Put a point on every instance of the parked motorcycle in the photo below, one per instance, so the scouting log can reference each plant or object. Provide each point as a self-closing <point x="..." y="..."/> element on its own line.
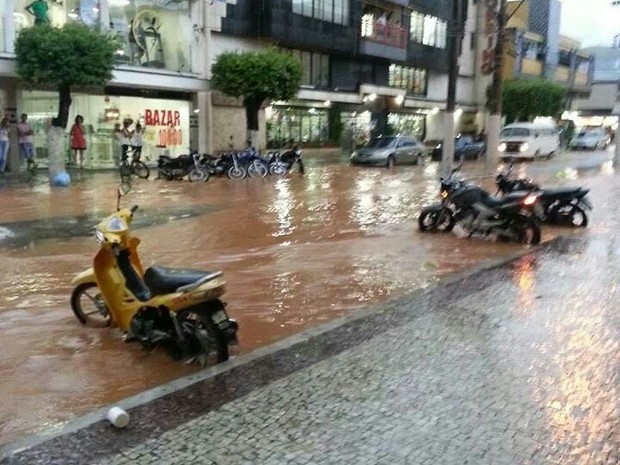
<point x="563" y="206"/>
<point x="510" y="217"/>
<point x="179" y="309"/>
<point x="439" y="216"/>
<point x="184" y="165"/>
<point x="282" y="163"/>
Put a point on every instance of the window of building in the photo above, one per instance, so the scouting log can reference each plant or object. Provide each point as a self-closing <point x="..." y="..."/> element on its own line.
<point x="411" y="79"/>
<point x="336" y="11"/>
<point x="428" y="30"/>
<point x="315" y="68"/>
<point x="152" y="35"/>
<point x="58" y="13"/>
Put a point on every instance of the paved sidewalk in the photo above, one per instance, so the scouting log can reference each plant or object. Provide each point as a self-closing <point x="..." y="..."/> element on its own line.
<point x="522" y="371"/>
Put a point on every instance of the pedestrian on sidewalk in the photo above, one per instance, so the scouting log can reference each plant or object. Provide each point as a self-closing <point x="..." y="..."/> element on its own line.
<point x="4" y="144"/>
<point x="26" y="141"/>
<point x="78" y="141"/>
<point x="136" y="141"/>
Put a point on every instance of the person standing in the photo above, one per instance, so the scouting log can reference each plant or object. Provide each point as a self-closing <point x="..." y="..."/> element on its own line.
<point x="26" y="141"/>
<point x="136" y="141"/>
<point x="39" y="9"/>
<point x="125" y="137"/>
<point x="4" y="144"/>
<point x="78" y="141"/>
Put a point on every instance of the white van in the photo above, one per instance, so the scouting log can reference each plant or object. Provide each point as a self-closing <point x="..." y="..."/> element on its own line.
<point x="528" y="140"/>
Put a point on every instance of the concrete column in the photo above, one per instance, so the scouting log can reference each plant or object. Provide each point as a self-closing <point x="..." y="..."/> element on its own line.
<point x="9" y="25"/>
<point x="104" y="14"/>
<point x="12" y="91"/>
<point x="205" y="122"/>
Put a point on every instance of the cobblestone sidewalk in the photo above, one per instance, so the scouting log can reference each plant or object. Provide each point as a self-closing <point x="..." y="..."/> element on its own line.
<point x="523" y="371"/>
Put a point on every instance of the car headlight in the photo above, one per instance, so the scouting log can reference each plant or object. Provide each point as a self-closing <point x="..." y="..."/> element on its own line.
<point x="502" y="147"/>
<point x="524" y="147"/>
<point x="99" y="237"/>
<point x="354" y="154"/>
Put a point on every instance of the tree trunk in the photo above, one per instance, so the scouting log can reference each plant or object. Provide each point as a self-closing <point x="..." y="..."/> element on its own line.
<point x="55" y="138"/>
<point x="251" y="116"/>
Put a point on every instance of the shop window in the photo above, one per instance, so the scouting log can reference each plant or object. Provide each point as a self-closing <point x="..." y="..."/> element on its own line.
<point x="336" y="11"/>
<point x="152" y="34"/>
<point x="288" y="126"/>
<point x="58" y="12"/>
<point x="411" y="79"/>
<point x="428" y="30"/>
<point x="315" y="68"/>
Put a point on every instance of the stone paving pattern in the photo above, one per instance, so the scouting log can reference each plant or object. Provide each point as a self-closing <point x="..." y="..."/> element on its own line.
<point x="523" y="371"/>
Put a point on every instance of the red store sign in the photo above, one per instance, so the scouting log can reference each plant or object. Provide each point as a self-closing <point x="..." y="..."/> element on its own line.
<point x="171" y="133"/>
<point x="490" y="31"/>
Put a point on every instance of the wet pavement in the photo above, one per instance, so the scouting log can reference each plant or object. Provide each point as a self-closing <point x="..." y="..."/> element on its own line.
<point x="295" y="251"/>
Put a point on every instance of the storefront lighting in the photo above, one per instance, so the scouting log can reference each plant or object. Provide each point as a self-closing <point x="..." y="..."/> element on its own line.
<point x="73" y="15"/>
<point x="312" y="110"/>
<point x="372" y="97"/>
<point x="120" y="51"/>
<point x="458" y="112"/>
<point x="327" y="103"/>
<point x="399" y="99"/>
<point x="435" y="111"/>
<point x="197" y="110"/>
<point x="119" y="2"/>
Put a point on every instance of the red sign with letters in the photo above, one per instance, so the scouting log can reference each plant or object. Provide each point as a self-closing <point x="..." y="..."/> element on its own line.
<point x="171" y="133"/>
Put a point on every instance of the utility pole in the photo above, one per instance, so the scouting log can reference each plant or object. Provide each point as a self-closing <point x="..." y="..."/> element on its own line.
<point x="455" y="32"/>
<point x="497" y="88"/>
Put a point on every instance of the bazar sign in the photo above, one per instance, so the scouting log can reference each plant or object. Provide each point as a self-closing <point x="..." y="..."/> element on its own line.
<point x="490" y="31"/>
<point x="171" y="133"/>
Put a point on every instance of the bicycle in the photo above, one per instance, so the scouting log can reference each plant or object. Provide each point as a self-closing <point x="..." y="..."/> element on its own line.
<point x="136" y="167"/>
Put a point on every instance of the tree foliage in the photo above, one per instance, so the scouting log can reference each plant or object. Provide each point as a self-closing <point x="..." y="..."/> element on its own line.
<point x="64" y="58"/>
<point x="256" y="77"/>
<point x="523" y="100"/>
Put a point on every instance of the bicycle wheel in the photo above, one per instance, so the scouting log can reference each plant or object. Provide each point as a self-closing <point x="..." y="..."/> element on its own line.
<point x="140" y="169"/>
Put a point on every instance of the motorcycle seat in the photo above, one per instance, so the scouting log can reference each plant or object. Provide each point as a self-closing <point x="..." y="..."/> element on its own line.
<point x="493" y="201"/>
<point x="162" y="280"/>
<point x="565" y="192"/>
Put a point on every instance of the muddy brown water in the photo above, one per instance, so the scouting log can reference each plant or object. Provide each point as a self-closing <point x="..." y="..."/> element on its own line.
<point x="295" y="251"/>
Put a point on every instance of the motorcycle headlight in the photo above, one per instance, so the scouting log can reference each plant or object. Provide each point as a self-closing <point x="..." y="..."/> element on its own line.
<point x="444" y="194"/>
<point x="99" y="237"/>
<point x="502" y="147"/>
<point x="524" y="147"/>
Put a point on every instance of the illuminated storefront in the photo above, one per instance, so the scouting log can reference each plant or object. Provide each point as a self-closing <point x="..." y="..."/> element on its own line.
<point x="165" y="121"/>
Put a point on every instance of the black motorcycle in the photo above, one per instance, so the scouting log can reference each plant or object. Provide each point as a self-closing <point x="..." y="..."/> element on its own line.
<point x="282" y="163"/>
<point x="510" y="217"/>
<point x="184" y="165"/>
<point x="562" y="206"/>
<point x="439" y="216"/>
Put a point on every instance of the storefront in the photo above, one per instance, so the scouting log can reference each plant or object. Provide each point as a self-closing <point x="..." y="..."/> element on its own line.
<point x="296" y="125"/>
<point x="411" y="124"/>
<point x="166" y="124"/>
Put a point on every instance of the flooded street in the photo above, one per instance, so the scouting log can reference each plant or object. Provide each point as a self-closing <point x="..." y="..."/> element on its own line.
<point x="295" y="252"/>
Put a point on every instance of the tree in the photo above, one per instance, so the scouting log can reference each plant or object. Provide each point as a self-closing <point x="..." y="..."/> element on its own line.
<point x="256" y="77"/>
<point x="525" y="99"/>
<point x="66" y="58"/>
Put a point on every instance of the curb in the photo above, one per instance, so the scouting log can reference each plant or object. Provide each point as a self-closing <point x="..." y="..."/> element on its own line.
<point x="240" y="375"/>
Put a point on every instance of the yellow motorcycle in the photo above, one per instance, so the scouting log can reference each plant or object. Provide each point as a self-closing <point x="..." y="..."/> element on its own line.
<point x="178" y="309"/>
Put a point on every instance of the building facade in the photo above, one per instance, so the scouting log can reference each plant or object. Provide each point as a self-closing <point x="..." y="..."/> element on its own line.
<point x="368" y="67"/>
<point x="535" y="49"/>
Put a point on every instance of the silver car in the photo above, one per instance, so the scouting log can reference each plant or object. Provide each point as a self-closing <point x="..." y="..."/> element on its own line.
<point x="389" y="151"/>
<point x="595" y="139"/>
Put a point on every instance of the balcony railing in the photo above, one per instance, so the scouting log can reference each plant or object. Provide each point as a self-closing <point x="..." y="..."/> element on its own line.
<point x="386" y="34"/>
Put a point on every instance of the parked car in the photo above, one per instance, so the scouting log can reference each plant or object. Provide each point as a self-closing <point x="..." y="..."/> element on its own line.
<point x="465" y="148"/>
<point x="389" y="151"/>
<point x="528" y="141"/>
<point x="591" y="139"/>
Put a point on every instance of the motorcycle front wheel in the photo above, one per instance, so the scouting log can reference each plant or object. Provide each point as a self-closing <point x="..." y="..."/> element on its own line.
<point x="198" y="174"/>
<point x="436" y="220"/>
<point x="89" y="307"/>
<point x="236" y="173"/>
<point x="527" y="230"/>
<point x="256" y="169"/>
<point x="277" y="169"/>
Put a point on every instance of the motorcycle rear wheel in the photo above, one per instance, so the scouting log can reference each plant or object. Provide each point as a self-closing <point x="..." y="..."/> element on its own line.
<point x="208" y="342"/>
<point x="91" y="311"/>
<point x="277" y="169"/>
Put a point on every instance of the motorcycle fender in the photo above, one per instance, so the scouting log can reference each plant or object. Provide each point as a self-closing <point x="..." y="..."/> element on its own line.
<point x="435" y="207"/>
<point x="86" y="276"/>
